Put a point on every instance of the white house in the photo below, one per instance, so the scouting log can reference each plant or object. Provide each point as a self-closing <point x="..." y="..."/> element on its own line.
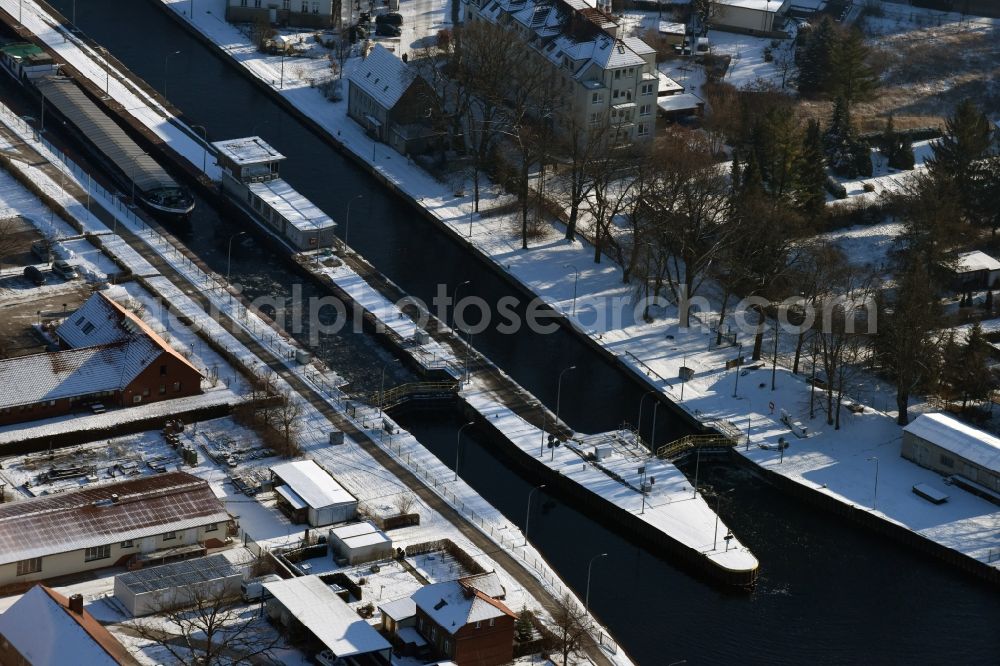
<point x="976" y="270"/>
<point x="309" y="494"/>
<point x="148" y="518"/>
<point x="360" y="542"/>
<point x="748" y="15"/>
<point x="948" y="446"/>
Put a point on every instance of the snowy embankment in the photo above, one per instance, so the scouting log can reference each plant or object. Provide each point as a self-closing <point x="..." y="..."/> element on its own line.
<point x="670" y="506"/>
<point x="655" y="351"/>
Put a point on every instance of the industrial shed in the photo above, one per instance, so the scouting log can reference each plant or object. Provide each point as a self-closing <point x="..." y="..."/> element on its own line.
<point x="360" y="542"/>
<point x="155" y="589"/>
<point x="948" y="446"/>
<point x="310" y="495"/>
<point x="751" y="16"/>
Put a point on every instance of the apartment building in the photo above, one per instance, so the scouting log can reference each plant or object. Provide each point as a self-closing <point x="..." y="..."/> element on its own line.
<point x="601" y="79"/>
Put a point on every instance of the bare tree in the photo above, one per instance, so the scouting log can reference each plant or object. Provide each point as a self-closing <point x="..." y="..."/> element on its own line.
<point x="284" y="418"/>
<point x="404" y="502"/>
<point x="690" y="205"/>
<point x="206" y="626"/>
<point x="569" y="625"/>
<point x="10" y="227"/>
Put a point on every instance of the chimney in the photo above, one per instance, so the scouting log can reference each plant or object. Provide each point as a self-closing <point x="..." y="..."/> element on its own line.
<point x="114" y="497"/>
<point x="76" y="604"/>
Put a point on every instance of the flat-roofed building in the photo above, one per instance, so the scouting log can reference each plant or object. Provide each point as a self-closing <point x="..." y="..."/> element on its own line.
<point x="310" y="495"/>
<point x="948" y="446"/>
<point x="358" y="543"/>
<point x="177" y="584"/>
<point x="146" y="519"/>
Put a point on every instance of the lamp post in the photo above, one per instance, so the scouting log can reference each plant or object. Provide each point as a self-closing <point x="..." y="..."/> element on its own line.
<point x="527" y="515"/>
<point x="204" y="152"/>
<point x="458" y="445"/>
<point x="576" y="278"/>
<point x="586" y="597"/>
<point x="638" y="427"/>
<point x="347" y="219"/>
<point x="718" y="506"/>
<point x="381" y="387"/>
<point x="559" y="390"/>
<point x="875" y="498"/>
<point x="166" y="59"/>
<point x="739" y="364"/>
<point x="652" y="433"/>
<point x="454" y="310"/>
<point x="229" y="253"/>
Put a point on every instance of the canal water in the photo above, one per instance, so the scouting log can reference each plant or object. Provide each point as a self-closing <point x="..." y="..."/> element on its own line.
<point x="829" y="592"/>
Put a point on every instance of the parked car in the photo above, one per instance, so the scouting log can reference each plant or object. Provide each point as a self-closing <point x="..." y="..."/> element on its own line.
<point x="65" y="270"/>
<point x="392" y="18"/>
<point x="387" y="30"/>
<point x="253" y="589"/>
<point x="42" y="250"/>
<point x="34" y="275"/>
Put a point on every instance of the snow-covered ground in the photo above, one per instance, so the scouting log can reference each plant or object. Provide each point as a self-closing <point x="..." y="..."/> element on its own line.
<point x="655" y="351"/>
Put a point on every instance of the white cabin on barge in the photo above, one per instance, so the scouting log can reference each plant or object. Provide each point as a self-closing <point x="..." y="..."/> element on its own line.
<point x="250" y="179"/>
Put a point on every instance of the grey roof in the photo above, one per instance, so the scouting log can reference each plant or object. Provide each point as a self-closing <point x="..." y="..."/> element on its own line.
<point x="102" y="131"/>
<point x="399" y="609"/>
<point x="178" y="574"/>
<point x="383" y="76"/>
<point x="94" y="516"/>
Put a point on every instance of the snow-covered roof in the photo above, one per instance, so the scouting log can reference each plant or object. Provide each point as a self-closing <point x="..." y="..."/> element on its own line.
<point x="312" y="483"/>
<point x="681" y="102"/>
<point x="668" y="85"/>
<point x="248" y="150"/>
<point x="756" y="5"/>
<point x="45" y="632"/>
<point x="114" y="347"/>
<point x="106" y="514"/>
<point x="969" y="262"/>
<point x="326" y="615"/>
<point x="301" y="213"/>
<point x="488" y="583"/>
<point x="670" y="28"/>
<point x="399" y="609"/>
<point x="383" y="76"/>
<point x="453" y="605"/>
<point x="963" y="440"/>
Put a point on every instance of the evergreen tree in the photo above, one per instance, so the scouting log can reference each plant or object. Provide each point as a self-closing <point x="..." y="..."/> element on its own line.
<point x="896" y="147"/>
<point x="966" y="139"/>
<point x="848" y="156"/>
<point x="850" y="76"/>
<point x="814" y="58"/>
<point x="977" y="380"/>
<point x="523" y="629"/>
<point x="810" y="188"/>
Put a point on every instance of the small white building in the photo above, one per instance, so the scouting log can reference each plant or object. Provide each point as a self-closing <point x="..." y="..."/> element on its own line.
<point x="310" y="604"/>
<point x="358" y="543"/>
<point x="948" y="446"/>
<point x="168" y="586"/>
<point x="752" y="16"/>
<point x="976" y="270"/>
<point x="310" y="495"/>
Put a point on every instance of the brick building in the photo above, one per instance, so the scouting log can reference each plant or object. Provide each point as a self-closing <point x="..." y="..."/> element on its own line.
<point x="108" y="356"/>
<point x="466" y="621"/>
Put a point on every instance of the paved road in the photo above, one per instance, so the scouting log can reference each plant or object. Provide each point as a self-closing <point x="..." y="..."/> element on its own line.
<point x="506" y="561"/>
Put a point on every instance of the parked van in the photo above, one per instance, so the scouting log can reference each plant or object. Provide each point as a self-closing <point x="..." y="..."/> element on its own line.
<point x="65" y="270"/>
<point x="34" y="275"/>
<point x="253" y="589"/>
<point x="43" y="250"/>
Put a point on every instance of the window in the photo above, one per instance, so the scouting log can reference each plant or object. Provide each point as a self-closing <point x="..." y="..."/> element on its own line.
<point x="631" y="71"/>
<point x="87" y="328"/>
<point x="163" y="370"/>
<point x="145" y="391"/>
<point x="616" y="94"/>
<point x="315" y="8"/>
<point x="256" y="3"/>
<point x="478" y="624"/>
<point x="25" y="567"/>
<point x="212" y="527"/>
<point x="643" y="129"/>
<point x="128" y="544"/>
<point x="493" y="621"/>
<point x="644" y="110"/>
<point x="243" y="3"/>
<point x="177" y="387"/>
<point x="163" y="389"/>
<point x="305" y="6"/>
<point x="595" y="119"/>
<point x="647" y="88"/>
<point x="618" y="73"/>
<point x="286" y="4"/>
<point x="596" y="98"/>
<point x="97" y="553"/>
<point x="169" y="536"/>
<point x="446" y="646"/>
